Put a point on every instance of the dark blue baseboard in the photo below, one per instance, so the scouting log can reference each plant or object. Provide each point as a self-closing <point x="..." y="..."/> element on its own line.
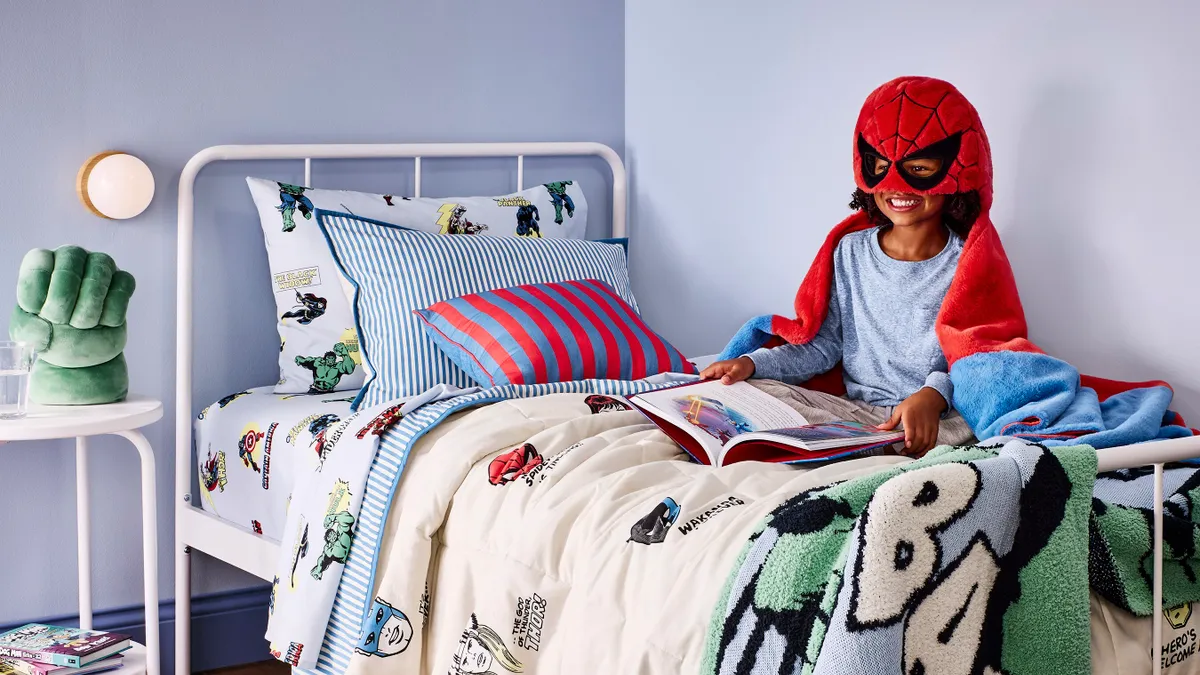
<point x="227" y="627"/>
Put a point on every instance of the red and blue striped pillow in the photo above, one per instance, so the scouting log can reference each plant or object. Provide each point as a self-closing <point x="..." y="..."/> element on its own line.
<point x="556" y="332"/>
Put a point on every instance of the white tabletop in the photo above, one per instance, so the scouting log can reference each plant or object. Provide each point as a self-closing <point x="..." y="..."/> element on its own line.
<point x="134" y="661"/>
<point x="68" y="421"/>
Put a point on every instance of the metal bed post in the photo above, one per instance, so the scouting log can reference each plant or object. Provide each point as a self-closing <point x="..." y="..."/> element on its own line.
<point x="183" y="412"/>
<point x="1156" y="616"/>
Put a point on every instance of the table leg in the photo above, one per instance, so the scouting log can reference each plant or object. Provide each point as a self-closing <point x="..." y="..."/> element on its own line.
<point x="149" y="546"/>
<point x="84" y="534"/>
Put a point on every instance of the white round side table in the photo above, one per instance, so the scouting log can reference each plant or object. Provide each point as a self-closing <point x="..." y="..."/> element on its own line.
<point x="122" y="419"/>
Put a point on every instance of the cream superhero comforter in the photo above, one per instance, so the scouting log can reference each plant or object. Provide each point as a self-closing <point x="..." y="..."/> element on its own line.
<point x="536" y="536"/>
<point x="564" y="534"/>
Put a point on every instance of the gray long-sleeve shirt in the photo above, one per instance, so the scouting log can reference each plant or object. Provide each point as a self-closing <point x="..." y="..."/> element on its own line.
<point x="880" y="325"/>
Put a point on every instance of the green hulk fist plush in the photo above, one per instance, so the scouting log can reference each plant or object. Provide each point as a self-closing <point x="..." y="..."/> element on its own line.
<point x="71" y="307"/>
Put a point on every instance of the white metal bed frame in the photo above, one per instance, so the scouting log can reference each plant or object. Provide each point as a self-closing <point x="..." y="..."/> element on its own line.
<point x="198" y="529"/>
<point x="238" y="546"/>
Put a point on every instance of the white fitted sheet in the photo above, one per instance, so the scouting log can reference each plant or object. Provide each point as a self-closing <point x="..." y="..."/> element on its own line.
<point x="249" y="447"/>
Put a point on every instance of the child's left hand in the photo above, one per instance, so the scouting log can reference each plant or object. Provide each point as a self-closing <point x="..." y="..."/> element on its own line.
<point x="920" y="415"/>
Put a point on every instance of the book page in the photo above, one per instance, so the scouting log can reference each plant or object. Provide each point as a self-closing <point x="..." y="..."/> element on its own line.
<point x="722" y="411"/>
<point x="839" y="433"/>
<point x="668" y="410"/>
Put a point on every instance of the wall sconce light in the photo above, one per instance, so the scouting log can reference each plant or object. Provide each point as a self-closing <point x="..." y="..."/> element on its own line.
<point x="115" y="185"/>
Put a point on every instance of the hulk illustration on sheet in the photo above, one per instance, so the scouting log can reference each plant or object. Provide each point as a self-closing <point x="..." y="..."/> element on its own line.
<point x="558" y="194"/>
<point x="291" y="199"/>
<point x="339" y="530"/>
<point x="327" y="370"/>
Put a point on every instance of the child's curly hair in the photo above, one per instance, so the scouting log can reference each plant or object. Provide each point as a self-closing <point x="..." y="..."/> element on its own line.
<point x="959" y="214"/>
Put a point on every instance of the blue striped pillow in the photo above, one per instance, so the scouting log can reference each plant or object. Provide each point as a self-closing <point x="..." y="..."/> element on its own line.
<point x="395" y="271"/>
<point x="540" y="333"/>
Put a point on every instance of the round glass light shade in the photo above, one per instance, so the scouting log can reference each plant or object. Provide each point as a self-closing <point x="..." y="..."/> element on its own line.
<point x="115" y="185"/>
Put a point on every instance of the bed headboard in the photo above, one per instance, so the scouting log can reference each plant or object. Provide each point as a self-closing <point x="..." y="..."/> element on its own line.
<point x="309" y="152"/>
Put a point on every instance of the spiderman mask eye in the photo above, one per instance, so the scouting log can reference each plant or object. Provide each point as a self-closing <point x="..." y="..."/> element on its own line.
<point x="921" y="168"/>
<point x="879" y="165"/>
<point x="874" y="165"/>
<point x="925" y="168"/>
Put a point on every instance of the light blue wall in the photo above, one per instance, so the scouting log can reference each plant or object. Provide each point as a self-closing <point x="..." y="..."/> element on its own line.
<point x="163" y="80"/>
<point x="738" y="127"/>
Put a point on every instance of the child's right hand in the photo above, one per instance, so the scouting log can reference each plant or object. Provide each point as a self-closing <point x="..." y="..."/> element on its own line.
<point x="730" y="371"/>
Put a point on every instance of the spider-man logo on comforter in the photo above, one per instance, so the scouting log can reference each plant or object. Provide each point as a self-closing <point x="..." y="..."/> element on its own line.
<point x="1003" y="383"/>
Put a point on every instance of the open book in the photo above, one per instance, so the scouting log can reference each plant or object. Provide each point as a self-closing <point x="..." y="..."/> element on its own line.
<point x="720" y="424"/>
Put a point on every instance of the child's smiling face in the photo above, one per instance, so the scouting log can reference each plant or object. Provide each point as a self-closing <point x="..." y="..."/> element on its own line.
<point x="908" y="208"/>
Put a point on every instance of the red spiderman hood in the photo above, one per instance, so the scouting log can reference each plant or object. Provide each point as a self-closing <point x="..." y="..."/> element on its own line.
<point x="902" y="119"/>
<point x="913" y="117"/>
<point x="1003" y="384"/>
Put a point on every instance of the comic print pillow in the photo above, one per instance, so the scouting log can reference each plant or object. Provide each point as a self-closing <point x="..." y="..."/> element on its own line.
<point x="538" y="333"/>
<point x="319" y="349"/>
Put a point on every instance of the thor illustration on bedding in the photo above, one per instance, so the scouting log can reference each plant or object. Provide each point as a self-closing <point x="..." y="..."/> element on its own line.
<point x="1003" y="384"/>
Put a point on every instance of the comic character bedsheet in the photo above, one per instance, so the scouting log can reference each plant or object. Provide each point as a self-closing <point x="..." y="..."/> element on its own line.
<point x="249" y="446"/>
<point x="563" y="533"/>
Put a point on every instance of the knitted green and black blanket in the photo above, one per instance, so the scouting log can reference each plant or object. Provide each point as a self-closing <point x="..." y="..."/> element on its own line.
<point x="1122" y="562"/>
<point x="971" y="560"/>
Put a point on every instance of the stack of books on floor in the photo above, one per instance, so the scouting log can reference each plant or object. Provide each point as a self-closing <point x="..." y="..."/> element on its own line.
<point x="38" y="649"/>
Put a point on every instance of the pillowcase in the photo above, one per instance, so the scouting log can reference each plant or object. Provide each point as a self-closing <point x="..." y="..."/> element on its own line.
<point x="319" y="350"/>
<point x="395" y="271"/>
<point x="540" y="333"/>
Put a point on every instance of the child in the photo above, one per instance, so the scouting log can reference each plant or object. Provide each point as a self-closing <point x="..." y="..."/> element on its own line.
<point x="888" y="285"/>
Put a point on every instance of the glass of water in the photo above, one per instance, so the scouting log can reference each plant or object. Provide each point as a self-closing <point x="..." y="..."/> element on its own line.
<point x="16" y="360"/>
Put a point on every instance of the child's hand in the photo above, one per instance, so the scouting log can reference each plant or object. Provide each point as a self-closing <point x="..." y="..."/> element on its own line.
<point x="733" y="370"/>
<point x="920" y="415"/>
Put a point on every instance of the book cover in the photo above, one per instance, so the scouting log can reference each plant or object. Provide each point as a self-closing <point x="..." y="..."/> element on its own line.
<point x="60" y="646"/>
<point x="10" y="666"/>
